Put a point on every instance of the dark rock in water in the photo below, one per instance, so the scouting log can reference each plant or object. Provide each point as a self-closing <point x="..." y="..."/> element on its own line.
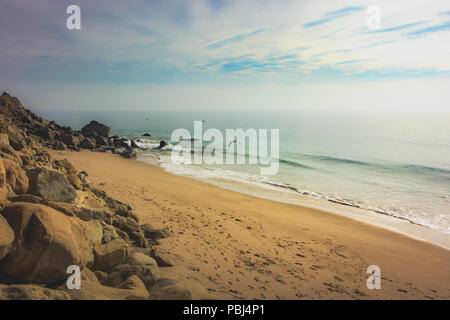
<point x="50" y="185"/>
<point x="129" y="154"/>
<point x="146" y="135"/>
<point x="95" y="128"/>
<point x="120" y="143"/>
<point x="134" y="145"/>
<point x="162" y="144"/>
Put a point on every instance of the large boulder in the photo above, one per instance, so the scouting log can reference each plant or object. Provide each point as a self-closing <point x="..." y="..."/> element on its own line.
<point x="6" y="237"/>
<point x="111" y="254"/>
<point x="50" y="185"/>
<point x="46" y="243"/>
<point x="16" y="177"/>
<point x="95" y="128"/>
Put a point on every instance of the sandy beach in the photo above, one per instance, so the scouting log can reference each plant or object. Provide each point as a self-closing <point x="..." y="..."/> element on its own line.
<point x="243" y="247"/>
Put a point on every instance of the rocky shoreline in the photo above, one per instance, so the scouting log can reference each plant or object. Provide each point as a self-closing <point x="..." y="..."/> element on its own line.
<point x="51" y="217"/>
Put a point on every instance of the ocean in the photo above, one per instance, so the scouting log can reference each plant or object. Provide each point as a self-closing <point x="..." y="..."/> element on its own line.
<point x="390" y="163"/>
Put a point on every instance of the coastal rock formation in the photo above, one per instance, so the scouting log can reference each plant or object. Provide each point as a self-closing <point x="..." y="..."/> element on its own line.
<point x="51" y="217"/>
<point x="94" y="129"/>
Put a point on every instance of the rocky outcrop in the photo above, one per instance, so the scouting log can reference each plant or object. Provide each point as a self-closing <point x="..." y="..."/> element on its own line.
<point x="46" y="243"/>
<point x="51" y="217"/>
<point x="95" y="128"/>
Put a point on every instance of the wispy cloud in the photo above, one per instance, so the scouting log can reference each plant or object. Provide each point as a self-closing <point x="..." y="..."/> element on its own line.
<point x="400" y="27"/>
<point x="438" y="28"/>
<point x="333" y="15"/>
<point x="238" y="38"/>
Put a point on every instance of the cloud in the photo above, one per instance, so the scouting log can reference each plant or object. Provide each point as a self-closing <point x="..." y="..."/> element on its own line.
<point x="238" y="38"/>
<point x="401" y="27"/>
<point x="437" y="28"/>
<point x="332" y="15"/>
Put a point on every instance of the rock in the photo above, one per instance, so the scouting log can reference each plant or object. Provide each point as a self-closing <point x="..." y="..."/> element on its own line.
<point x="137" y="264"/>
<point x="111" y="254"/>
<point x="135" y="283"/>
<point x="161" y="258"/>
<point x="75" y="181"/>
<point x="128" y="225"/>
<point x="70" y="140"/>
<point x="2" y="174"/>
<point x="46" y="132"/>
<point x="162" y="144"/>
<point x="129" y="154"/>
<point x="46" y="243"/>
<point x="6" y="237"/>
<point x="146" y="135"/>
<point x="92" y="289"/>
<point x="50" y="185"/>
<point x="101" y="141"/>
<point x="154" y="234"/>
<point x="4" y="139"/>
<point x="16" y="177"/>
<point x="96" y="229"/>
<point x="30" y="292"/>
<point x="95" y="128"/>
<point x="65" y="166"/>
<point x="134" y="145"/>
<point x="15" y="142"/>
<point x="88" y="143"/>
<point x="109" y="233"/>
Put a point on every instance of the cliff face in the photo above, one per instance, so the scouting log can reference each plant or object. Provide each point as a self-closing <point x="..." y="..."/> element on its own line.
<point x="52" y="218"/>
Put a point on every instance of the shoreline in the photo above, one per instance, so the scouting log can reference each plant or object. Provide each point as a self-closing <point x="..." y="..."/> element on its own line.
<point x="382" y="220"/>
<point x="240" y="246"/>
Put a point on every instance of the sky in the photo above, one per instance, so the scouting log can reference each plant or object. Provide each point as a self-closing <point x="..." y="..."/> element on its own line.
<point x="239" y="54"/>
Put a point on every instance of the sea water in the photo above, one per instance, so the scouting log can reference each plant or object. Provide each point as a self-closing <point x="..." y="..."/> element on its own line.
<point x="391" y="163"/>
